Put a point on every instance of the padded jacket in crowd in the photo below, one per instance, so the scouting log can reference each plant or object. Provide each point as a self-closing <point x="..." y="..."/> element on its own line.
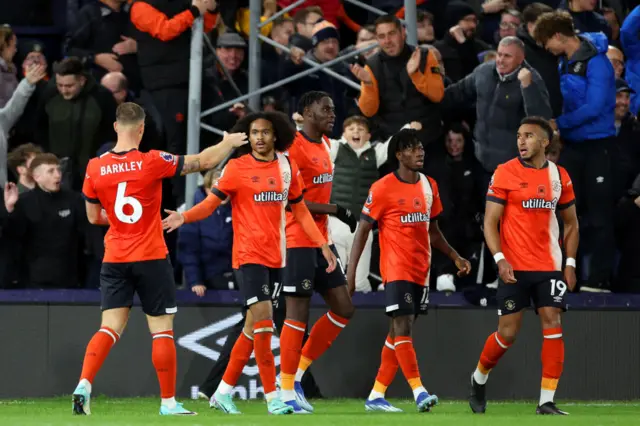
<point x="587" y="22"/>
<point x="204" y="248"/>
<point x="8" y="81"/>
<point x="501" y="103"/>
<point x="630" y="38"/>
<point x="588" y="85"/>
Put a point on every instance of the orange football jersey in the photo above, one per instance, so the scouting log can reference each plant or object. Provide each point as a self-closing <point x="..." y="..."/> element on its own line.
<point x="403" y="211"/>
<point x="313" y="159"/>
<point x="259" y="192"/>
<point x="529" y="230"/>
<point x="128" y="185"/>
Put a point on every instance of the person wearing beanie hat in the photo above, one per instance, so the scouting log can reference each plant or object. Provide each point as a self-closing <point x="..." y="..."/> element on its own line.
<point x="325" y="41"/>
<point x="460" y="47"/>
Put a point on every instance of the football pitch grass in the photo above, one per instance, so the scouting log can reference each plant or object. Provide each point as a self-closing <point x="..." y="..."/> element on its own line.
<point x="143" y="411"/>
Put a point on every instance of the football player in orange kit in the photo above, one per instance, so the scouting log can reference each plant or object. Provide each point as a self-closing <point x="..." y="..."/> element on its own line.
<point x="406" y="205"/>
<point x="123" y="189"/>
<point x="260" y="183"/>
<point x="522" y="232"/>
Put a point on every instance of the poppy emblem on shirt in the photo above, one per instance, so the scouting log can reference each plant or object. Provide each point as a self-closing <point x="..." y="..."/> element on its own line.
<point x="541" y="191"/>
<point x="271" y="181"/>
<point x="417" y="203"/>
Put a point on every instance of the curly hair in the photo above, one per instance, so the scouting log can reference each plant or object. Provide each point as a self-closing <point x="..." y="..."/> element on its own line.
<point x="552" y="23"/>
<point x="283" y="129"/>
<point x="405" y="138"/>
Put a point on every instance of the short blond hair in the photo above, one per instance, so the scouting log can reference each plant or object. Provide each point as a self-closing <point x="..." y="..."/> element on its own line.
<point x="130" y="113"/>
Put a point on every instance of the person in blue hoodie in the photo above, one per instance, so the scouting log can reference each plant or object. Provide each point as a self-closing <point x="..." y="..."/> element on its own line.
<point x="587" y="126"/>
<point x="204" y="248"/>
<point x="630" y="39"/>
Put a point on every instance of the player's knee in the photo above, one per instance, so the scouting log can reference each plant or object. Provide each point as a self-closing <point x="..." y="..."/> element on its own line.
<point x="298" y="308"/>
<point x="160" y="323"/>
<point x="345" y="310"/>
<point x="261" y="311"/>
<point x="402" y="326"/>
<point x="115" y="319"/>
<point x="508" y="332"/>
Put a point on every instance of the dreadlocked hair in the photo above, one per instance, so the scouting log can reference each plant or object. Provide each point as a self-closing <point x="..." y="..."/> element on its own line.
<point x="405" y="138"/>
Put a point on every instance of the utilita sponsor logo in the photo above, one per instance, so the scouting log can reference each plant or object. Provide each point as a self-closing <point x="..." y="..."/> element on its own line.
<point x="270" y="196"/>
<point x="216" y="336"/>
<point x="323" y="178"/>
<point x="540" y="204"/>
<point x="414" y="218"/>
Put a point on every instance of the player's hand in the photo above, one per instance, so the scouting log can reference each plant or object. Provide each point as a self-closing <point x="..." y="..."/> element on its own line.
<point x="345" y="216"/>
<point x="329" y="257"/>
<point x="202" y="6"/>
<point x="172" y="222"/>
<point x="297" y="118"/>
<point x="414" y="61"/>
<point x="199" y="290"/>
<point x="506" y="272"/>
<point x="235" y="139"/>
<point x="463" y="265"/>
<point x="525" y="77"/>
<point x="35" y="73"/>
<point x="495" y="6"/>
<point x="10" y="196"/>
<point x="361" y="73"/>
<point x="570" y="277"/>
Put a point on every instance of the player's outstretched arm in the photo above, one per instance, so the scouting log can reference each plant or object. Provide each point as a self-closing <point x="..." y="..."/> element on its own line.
<point x="95" y="214"/>
<point x="439" y="242"/>
<point x="359" y="242"/>
<point x="492" y="214"/>
<point x="344" y="215"/>
<point x="571" y="239"/>
<point x="214" y="155"/>
<point x="196" y="213"/>
<point x="303" y="216"/>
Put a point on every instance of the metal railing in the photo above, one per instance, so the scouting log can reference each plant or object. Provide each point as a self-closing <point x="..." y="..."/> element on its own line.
<point x="255" y="61"/>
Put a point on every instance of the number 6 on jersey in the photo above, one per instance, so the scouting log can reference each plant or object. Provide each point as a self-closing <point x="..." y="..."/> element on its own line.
<point x="121" y="201"/>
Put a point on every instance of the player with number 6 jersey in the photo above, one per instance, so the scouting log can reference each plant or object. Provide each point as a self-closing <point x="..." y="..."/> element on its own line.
<point x="521" y="230"/>
<point x="406" y="205"/>
<point x="123" y="189"/>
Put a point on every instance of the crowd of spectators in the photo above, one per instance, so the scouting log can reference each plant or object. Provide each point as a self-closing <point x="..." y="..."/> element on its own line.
<point x="479" y="68"/>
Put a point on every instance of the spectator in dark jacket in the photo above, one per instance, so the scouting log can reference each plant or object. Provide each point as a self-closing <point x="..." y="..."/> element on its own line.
<point x="627" y="226"/>
<point x="625" y="157"/>
<point x="504" y="91"/>
<point x="630" y="39"/>
<point x="304" y="20"/>
<point x="585" y="19"/>
<point x="539" y="58"/>
<point x="460" y="47"/>
<point x="400" y="84"/>
<point x="587" y="127"/>
<point x="326" y="47"/>
<point x="103" y="39"/>
<point x="204" y="248"/>
<point x="74" y="118"/>
<point x="48" y="222"/>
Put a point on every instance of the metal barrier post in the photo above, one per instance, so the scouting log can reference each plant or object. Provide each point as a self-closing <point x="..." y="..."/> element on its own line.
<point x="410" y="15"/>
<point x="255" y="59"/>
<point x="193" y="119"/>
